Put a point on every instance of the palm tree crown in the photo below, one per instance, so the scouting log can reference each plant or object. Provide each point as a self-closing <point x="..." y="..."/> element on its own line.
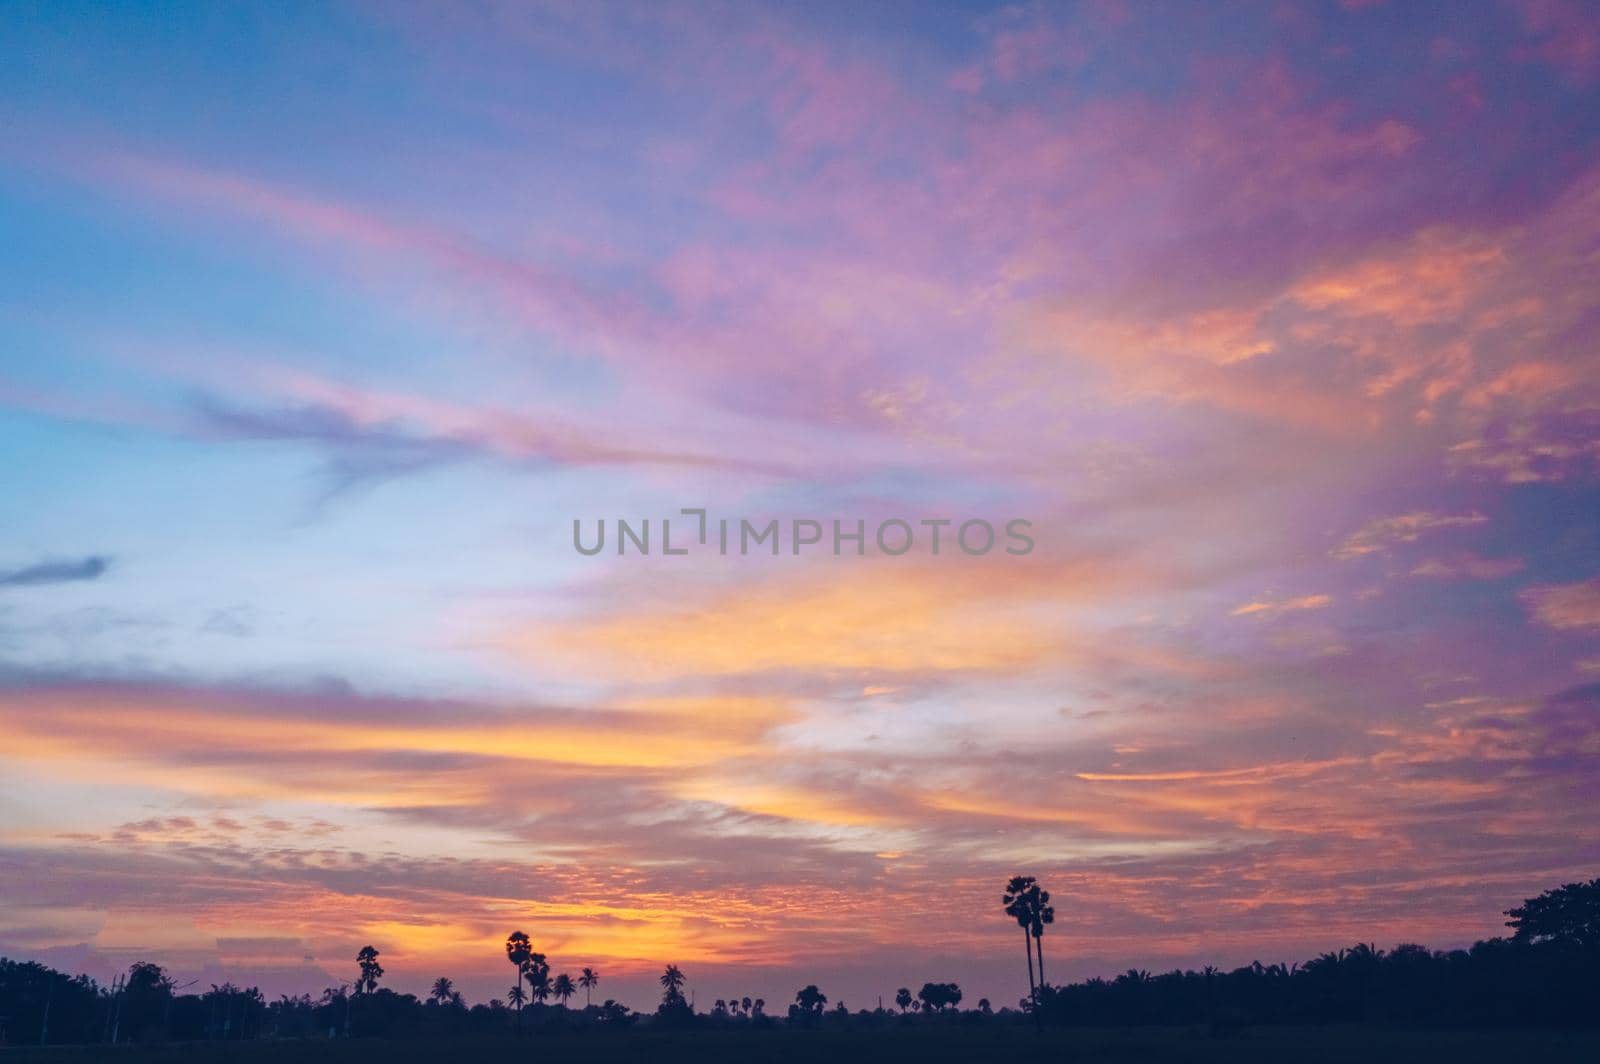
<point x="588" y="978"/>
<point x="518" y="950"/>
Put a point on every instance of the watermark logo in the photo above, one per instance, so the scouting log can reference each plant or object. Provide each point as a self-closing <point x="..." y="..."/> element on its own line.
<point x="697" y="532"/>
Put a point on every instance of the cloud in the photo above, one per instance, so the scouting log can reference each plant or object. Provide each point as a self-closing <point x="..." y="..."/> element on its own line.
<point x="1383" y="533"/>
<point x="1302" y="602"/>
<point x="1469" y="567"/>
<point x="43" y="573"/>
<point x="1565" y="606"/>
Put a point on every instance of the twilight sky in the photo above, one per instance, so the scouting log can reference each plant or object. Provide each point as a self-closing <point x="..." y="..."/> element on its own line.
<point x="319" y="327"/>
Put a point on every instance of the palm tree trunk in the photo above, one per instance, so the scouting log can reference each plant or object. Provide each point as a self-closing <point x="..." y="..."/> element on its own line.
<point x="1033" y="991"/>
<point x="1027" y="944"/>
<point x="1038" y="944"/>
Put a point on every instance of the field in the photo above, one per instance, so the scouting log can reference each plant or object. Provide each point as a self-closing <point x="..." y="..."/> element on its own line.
<point x="1009" y="1045"/>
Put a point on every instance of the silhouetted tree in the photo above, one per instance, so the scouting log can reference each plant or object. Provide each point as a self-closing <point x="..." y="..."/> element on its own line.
<point x="145" y="1000"/>
<point x="588" y="979"/>
<point x="518" y="950"/>
<point x="936" y="997"/>
<point x="613" y="1014"/>
<point x="672" y="980"/>
<point x="537" y="973"/>
<point x="902" y="997"/>
<point x="809" y="1002"/>
<point x="674" y="1010"/>
<point x="443" y="991"/>
<point x="1021" y="893"/>
<point x="563" y="988"/>
<point x="1570" y="913"/>
<point x="371" y="970"/>
<point x="1043" y="913"/>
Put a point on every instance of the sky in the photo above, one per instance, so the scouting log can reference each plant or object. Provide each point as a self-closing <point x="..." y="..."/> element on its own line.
<point x="320" y="326"/>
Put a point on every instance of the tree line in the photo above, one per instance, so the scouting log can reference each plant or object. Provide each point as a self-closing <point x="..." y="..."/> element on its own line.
<point x="1546" y="973"/>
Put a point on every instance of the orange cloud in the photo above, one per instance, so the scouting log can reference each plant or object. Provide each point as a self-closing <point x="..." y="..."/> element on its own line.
<point x="879" y="618"/>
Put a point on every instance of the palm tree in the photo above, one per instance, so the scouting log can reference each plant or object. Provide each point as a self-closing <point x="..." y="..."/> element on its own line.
<point x="672" y="981"/>
<point x="1043" y="913"/>
<point x="538" y="975"/>
<point x="1018" y="902"/>
<point x="517" y="996"/>
<point x="744" y="1003"/>
<point x="443" y="991"/>
<point x="902" y="997"/>
<point x="518" y="950"/>
<point x="563" y="988"/>
<point x="588" y="979"/>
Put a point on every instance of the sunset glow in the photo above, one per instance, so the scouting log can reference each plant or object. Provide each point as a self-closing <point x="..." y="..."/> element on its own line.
<point x="321" y="327"/>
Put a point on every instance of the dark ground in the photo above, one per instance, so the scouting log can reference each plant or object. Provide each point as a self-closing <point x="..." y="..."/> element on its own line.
<point x="1283" y="1045"/>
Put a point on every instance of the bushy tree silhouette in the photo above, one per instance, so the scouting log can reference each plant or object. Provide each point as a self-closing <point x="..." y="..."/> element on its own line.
<point x="809" y="1002"/>
<point x="1570" y="913"/>
<point x="936" y="997"/>
<point x="371" y="970"/>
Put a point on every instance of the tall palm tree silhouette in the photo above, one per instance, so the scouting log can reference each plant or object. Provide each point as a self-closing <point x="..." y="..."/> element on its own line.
<point x="1043" y="913"/>
<point x="588" y="979"/>
<point x="518" y="950"/>
<point x="672" y="981"/>
<point x="443" y="990"/>
<point x="538" y="975"/>
<point x="1018" y="901"/>
<point x="563" y="988"/>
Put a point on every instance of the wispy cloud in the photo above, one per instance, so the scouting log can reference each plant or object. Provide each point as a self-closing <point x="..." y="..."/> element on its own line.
<point x="69" y="571"/>
<point x="1384" y="533"/>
